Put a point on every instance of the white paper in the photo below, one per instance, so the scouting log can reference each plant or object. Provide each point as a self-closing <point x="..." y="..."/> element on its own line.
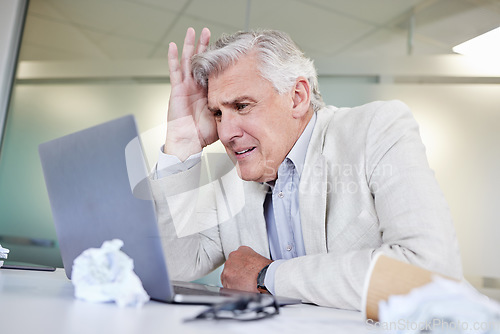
<point x="443" y="306"/>
<point x="106" y="274"/>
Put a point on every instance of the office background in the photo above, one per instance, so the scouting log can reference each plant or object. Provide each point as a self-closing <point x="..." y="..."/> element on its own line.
<point x="85" y="62"/>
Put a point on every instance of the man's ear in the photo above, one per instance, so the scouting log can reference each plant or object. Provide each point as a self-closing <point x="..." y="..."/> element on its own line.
<point x="301" y="97"/>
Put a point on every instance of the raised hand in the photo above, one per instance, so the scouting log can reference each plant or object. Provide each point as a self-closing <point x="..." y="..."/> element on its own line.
<point x="190" y="125"/>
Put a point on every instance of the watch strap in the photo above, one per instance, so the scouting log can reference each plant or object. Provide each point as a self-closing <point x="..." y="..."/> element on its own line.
<point x="261" y="277"/>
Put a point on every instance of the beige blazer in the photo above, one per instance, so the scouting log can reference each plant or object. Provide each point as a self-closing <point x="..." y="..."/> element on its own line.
<point x="366" y="188"/>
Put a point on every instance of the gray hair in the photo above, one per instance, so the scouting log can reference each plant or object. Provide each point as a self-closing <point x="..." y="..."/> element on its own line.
<point x="280" y="60"/>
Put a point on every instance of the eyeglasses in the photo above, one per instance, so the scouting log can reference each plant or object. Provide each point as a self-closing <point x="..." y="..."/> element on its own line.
<point x="247" y="308"/>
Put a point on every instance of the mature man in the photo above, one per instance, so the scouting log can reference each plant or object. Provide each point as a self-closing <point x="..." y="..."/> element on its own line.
<point x="317" y="191"/>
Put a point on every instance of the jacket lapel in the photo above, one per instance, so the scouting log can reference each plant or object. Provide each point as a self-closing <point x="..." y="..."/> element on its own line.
<point x="313" y="189"/>
<point x="312" y="202"/>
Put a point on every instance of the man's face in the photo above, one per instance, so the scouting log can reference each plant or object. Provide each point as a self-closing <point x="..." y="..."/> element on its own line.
<point x="254" y="122"/>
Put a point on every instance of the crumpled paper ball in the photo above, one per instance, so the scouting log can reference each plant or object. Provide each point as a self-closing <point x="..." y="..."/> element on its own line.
<point x="442" y="306"/>
<point x="106" y="274"/>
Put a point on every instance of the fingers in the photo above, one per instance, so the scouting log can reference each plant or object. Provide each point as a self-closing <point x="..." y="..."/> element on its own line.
<point x="182" y="70"/>
<point x="173" y="64"/>
<point x="222" y="279"/>
<point x="188" y="51"/>
<point x="203" y="41"/>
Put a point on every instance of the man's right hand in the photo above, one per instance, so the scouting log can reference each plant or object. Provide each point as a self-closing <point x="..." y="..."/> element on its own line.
<point x="190" y="125"/>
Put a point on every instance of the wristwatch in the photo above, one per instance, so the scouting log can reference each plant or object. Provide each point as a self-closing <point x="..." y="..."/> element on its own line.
<point x="261" y="286"/>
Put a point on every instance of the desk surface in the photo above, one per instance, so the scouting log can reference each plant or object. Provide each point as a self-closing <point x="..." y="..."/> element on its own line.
<point x="43" y="302"/>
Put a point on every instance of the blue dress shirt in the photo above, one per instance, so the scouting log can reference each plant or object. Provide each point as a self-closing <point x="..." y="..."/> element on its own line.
<point x="281" y="207"/>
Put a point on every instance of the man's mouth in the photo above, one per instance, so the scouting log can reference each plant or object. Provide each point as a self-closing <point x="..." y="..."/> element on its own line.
<point x="243" y="152"/>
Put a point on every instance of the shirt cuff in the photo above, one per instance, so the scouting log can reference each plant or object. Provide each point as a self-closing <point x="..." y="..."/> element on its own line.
<point x="271" y="271"/>
<point x="169" y="164"/>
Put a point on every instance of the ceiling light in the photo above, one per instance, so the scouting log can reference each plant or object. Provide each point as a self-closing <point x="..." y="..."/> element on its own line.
<point x="485" y="45"/>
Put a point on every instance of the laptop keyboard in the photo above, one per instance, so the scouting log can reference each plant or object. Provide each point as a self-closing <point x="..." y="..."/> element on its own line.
<point x="182" y="290"/>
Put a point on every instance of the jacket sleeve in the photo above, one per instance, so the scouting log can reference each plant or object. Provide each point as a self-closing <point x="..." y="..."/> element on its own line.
<point x="187" y="223"/>
<point x="414" y="222"/>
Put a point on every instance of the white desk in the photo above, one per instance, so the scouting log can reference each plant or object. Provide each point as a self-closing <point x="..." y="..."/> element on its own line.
<point x="43" y="302"/>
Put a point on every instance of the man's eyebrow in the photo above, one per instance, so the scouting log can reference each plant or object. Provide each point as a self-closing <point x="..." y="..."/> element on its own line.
<point x="234" y="101"/>
<point x="239" y="99"/>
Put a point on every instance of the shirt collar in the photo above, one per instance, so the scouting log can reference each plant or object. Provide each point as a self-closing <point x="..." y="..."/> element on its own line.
<point x="298" y="152"/>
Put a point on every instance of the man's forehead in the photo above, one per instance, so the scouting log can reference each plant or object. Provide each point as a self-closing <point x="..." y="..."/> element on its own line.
<point x="235" y="83"/>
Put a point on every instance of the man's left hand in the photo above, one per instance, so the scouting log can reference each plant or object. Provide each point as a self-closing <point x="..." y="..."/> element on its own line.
<point x="241" y="269"/>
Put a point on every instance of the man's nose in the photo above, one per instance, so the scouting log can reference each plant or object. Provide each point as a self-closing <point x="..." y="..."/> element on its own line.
<point x="229" y="127"/>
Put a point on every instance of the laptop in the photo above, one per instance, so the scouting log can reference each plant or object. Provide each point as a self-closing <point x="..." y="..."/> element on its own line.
<point x="92" y="177"/>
